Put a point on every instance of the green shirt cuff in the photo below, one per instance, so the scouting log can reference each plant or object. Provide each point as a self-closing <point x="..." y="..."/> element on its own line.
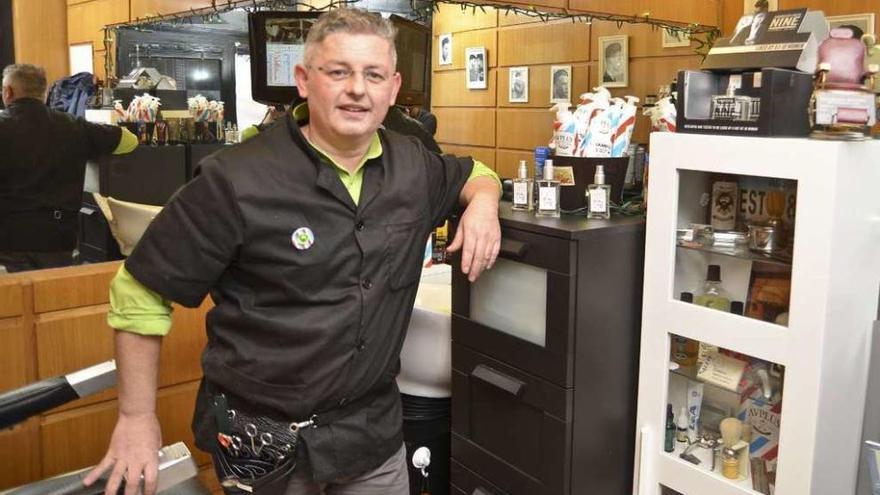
<point x="481" y="170"/>
<point x="135" y="308"/>
<point x="127" y="142"/>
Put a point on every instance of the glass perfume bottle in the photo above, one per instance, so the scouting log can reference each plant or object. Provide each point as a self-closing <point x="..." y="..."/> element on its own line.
<point x="523" y="189"/>
<point x="548" y="193"/>
<point x="713" y="294"/>
<point x="598" y="196"/>
<point x="669" y="443"/>
<point x="685" y="350"/>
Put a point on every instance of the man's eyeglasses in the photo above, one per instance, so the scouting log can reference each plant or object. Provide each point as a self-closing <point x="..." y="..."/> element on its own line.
<point x="339" y="74"/>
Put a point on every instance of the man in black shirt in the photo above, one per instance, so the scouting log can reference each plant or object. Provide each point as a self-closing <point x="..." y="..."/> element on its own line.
<point x="43" y="153"/>
<point x="309" y="238"/>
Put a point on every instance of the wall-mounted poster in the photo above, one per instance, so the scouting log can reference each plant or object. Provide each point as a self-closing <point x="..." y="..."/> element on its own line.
<point x="614" y="61"/>
<point x="445" y="49"/>
<point x="519" y="85"/>
<point x="476" y="67"/>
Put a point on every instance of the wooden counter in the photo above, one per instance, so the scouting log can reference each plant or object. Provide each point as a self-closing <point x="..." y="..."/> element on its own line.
<point x="53" y="322"/>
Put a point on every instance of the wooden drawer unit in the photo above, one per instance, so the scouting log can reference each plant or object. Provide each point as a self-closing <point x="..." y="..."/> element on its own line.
<point x="545" y="359"/>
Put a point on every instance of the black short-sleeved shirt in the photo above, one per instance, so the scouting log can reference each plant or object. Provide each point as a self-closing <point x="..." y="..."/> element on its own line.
<point x="43" y="154"/>
<point x="297" y="332"/>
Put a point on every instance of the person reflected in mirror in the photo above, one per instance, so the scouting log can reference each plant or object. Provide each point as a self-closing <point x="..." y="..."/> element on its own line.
<point x="43" y="154"/>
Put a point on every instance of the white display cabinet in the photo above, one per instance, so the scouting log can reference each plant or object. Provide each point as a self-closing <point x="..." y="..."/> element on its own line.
<point x="818" y="359"/>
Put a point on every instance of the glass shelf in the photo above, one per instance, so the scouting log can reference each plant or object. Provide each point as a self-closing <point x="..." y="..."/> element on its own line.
<point x="740" y="251"/>
<point x="706" y="465"/>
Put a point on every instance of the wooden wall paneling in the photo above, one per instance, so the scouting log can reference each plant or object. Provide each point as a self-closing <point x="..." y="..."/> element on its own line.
<point x="485" y="155"/>
<point x="11" y="294"/>
<point x="77" y="438"/>
<point x="507" y="162"/>
<point x="465" y="126"/>
<point x="86" y="21"/>
<point x="71" y="340"/>
<point x="19" y="365"/>
<point x="20" y="454"/>
<point x="643" y="40"/>
<point x="174" y="407"/>
<point x="512" y="19"/>
<point x="704" y="12"/>
<point x="485" y="38"/>
<point x="40" y="34"/>
<point x="539" y="85"/>
<point x="181" y="347"/>
<point x="836" y="7"/>
<point x="18" y="353"/>
<point x="452" y="19"/>
<point x="731" y="11"/>
<point x="524" y="128"/>
<point x="150" y="8"/>
<point x="547" y="43"/>
<point x="72" y="287"/>
<point x="449" y="89"/>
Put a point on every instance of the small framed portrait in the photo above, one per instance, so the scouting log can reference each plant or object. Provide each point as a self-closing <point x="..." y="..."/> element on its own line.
<point x="614" y="61"/>
<point x="859" y="23"/>
<point x="518" y="89"/>
<point x="750" y="6"/>
<point x="675" y="39"/>
<point x="476" y="67"/>
<point x="445" y="49"/>
<point x="560" y="83"/>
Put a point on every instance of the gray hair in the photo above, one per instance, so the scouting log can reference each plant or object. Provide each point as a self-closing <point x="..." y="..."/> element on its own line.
<point x="26" y="79"/>
<point x="350" y="21"/>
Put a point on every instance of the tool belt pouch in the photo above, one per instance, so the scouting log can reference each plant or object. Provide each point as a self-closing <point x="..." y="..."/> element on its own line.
<point x="255" y="454"/>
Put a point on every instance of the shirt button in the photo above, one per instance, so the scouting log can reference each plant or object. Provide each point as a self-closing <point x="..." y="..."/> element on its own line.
<point x="361" y="345"/>
<point x="343" y="401"/>
<point x="359" y="226"/>
<point x="367" y="284"/>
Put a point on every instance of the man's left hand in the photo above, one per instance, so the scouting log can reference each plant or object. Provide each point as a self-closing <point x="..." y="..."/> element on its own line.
<point x="478" y="234"/>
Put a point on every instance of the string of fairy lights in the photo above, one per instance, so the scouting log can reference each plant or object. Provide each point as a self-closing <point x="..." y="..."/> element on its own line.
<point x="703" y="36"/>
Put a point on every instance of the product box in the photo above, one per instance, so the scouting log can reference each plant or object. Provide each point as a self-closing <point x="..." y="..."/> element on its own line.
<point x="782" y="98"/>
<point x="576" y="173"/>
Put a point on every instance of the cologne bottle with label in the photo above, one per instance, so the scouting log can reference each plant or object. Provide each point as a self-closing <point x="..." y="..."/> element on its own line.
<point x="669" y="443"/>
<point x="725" y="192"/>
<point x="548" y="193"/>
<point x="599" y="196"/>
<point x="685" y="350"/>
<point x="523" y="189"/>
<point x="713" y="295"/>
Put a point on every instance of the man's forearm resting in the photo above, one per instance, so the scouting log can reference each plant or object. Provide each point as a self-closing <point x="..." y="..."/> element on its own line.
<point x="483" y="188"/>
<point x="137" y="364"/>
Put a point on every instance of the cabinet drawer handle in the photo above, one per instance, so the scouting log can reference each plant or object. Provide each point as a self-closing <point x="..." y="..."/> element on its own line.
<point x="497" y="379"/>
<point x="481" y="491"/>
<point x="513" y="249"/>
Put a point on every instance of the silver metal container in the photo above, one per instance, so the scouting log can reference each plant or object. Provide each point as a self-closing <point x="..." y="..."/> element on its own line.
<point x="766" y="239"/>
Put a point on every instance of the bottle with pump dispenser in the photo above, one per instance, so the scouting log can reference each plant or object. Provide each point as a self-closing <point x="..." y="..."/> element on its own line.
<point x="523" y="189"/>
<point x="599" y="196"/>
<point x="548" y="193"/>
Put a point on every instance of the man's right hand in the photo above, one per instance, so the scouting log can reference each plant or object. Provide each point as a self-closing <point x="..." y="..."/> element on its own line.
<point x="134" y="451"/>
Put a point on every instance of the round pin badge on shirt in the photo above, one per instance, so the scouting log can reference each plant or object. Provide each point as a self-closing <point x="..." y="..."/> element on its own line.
<point x="302" y="238"/>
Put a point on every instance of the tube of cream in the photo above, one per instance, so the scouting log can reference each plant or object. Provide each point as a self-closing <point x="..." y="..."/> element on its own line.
<point x="694" y="403"/>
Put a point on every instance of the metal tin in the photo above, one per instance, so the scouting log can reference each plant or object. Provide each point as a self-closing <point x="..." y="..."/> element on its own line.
<point x="765" y="239"/>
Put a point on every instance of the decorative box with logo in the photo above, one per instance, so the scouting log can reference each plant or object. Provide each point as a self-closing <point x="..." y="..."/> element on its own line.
<point x="757" y="82"/>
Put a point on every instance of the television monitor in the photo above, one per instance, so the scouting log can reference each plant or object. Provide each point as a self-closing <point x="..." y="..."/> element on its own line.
<point x="413" y="61"/>
<point x="277" y="44"/>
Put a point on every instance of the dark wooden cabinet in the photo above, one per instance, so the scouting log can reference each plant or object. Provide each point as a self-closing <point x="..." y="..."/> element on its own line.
<point x="547" y="407"/>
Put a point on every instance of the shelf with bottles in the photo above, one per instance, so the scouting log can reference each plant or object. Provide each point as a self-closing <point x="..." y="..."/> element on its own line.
<point x="724" y="412"/>
<point x="734" y="242"/>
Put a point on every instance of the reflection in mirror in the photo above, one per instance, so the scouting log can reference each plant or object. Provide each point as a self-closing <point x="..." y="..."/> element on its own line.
<point x="175" y="58"/>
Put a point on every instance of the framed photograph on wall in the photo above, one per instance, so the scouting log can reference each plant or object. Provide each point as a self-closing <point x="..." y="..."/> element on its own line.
<point x="560" y="83"/>
<point x="518" y="88"/>
<point x="749" y="6"/>
<point x="476" y="72"/>
<point x="614" y="61"/>
<point x="675" y="39"/>
<point x="864" y="22"/>
<point x="445" y="50"/>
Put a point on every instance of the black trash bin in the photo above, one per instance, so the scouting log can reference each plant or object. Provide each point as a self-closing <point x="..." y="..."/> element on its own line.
<point x="426" y="424"/>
